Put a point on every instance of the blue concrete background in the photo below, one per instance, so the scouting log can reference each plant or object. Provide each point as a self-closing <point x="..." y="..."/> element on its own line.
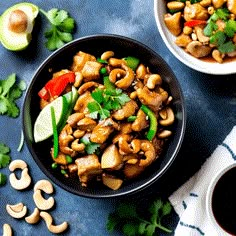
<point x="210" y="101"/>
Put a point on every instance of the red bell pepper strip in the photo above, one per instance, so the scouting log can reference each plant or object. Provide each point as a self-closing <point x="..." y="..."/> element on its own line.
<point x="44" y="94"/>
<point x="57" y="85"/>
<point x="193" y="23"/>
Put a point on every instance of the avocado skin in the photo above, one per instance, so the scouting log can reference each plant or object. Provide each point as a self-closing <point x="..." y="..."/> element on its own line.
<point x="10" y="41"/>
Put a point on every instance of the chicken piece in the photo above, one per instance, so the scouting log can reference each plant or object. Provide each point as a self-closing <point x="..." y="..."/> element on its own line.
<point x="82" y="102"/>
<point x="86" y="124"/>
<point x="102" y="131"/>
<point x="173" y="23"/>
<point x="80" y="59"/>
<point x="183" y="40"/>
<point x="91" y="70"/>
<point x="195" y="12"/>
<point x="127" y="110"/>
<point x="88" y="168"/>
<point x="74" y="118"/>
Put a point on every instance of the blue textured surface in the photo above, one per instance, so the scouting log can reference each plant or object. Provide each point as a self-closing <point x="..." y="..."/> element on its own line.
<point x="210" y="101"/>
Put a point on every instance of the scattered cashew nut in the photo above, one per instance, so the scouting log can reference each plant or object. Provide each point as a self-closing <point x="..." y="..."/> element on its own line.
<point x="56" y="229"/>
<point x="34" y="217"/>
<point x="25" y="180"/>
<point x="16" y="211"/>
<point x="7" y="230"/>
<point x="41" y="202"/>
<point x="44" y="185"/>
<point x="169" y="119"/>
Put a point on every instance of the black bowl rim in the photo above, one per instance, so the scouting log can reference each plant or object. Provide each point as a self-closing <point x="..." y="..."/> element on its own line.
<point x="114" y="194"/>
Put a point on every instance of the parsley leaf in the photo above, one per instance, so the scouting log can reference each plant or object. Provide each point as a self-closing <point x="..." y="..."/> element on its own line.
<point x="9" y="92"/>
<point x="105" y="101"/>
<point x="137" y="225"/>
<point x="62" y="27"/>
<point x="90" y="147"/>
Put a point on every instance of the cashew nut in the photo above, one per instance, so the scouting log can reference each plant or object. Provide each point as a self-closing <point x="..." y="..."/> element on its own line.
<point x="116" y="62"/>
<point x="41" y="202"/>
<point x="153" y="80"/>
<point x="34" y="217"/>
<point x="76" y="146"/>
<point x="17" y="164"/>
<point x="86" y="86"/>
<point x="149" y="153"/>
<point x="16" y="211"/>
<point x="164" y="134"/>
<point x="141" y="72"/>
<point x="106" y="55"/>
<point x="175" y="5"/>
<point x="217" y="55"/>
<point x="169" y="119"/>
<point x="56" y="229"/>
<point x="23" y="182"/>
<point x="231" y="5"/>
<point x="7" y="230"/>
<point x="44" y="185"/>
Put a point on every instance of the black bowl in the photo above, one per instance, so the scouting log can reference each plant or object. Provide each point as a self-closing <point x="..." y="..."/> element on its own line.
<point x="96" y="45"/>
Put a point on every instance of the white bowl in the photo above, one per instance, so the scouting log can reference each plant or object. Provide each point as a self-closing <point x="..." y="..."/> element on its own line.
<point x="179" y="53"/>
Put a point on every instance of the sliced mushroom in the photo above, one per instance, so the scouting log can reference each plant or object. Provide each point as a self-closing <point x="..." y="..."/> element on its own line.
<point x="197" y="49"/>
<point x="132" y="170"/>
<point x="111" y="181"/>
<point x="111" y="158"/>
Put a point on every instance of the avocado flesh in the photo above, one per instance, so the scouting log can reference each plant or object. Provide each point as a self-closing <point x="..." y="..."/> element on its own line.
<point x="17" y="41"/>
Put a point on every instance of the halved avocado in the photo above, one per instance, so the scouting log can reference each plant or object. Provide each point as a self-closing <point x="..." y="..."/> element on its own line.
<point x="16" y="25"/>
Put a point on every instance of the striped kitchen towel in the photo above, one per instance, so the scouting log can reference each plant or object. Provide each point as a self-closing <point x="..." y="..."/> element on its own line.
<point x="189" y="200"/>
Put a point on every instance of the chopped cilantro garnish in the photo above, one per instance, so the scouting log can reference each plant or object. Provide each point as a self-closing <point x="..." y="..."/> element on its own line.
<point x="61" y="30"/>
<point x="105" y="101"/>
<point x="90" y="147"/>
<point x="10" y="91"/>
<point x="221" y="39"/>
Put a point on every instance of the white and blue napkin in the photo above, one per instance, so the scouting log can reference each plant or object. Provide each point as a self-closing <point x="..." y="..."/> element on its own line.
<point x="189" y="200"/>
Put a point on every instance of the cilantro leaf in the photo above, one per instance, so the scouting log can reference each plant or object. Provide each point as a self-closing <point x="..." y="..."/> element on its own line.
<point x="106" y="101"/>
<point x="90" y="147"/>
<point x="9" y="92"/>
<point x="3" y="179"/>
<point x="4" y="155"/>
<point x="62" y="27"/>
<point x="127" y="218"/>
<point x="230" y="28"/>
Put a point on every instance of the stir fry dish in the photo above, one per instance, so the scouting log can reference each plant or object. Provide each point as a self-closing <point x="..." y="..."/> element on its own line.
<point x="109" y="118"/>
<point x="204" y="28"/>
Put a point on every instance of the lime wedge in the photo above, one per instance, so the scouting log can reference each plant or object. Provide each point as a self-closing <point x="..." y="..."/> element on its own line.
<point x="43" y="125"/>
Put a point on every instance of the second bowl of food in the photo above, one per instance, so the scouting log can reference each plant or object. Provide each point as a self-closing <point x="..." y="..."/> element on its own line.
<point x="104" y="116"/>
<point x="200" y="33"/>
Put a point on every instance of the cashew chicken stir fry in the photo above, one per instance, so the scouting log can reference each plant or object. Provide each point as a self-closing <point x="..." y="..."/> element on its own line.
<point x="203" y="28"/>
<point x="119" y="123"/>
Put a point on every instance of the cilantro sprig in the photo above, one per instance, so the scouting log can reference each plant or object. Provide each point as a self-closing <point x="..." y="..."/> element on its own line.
<point x="218" y="37"/>
<point x="10" y="91"/>
<point x="131" y="223"/>
<point x="62" y="27"/>
<point x="90" y="147"/>
<point x="105" y="101"/>
<point x="4" y="161"/>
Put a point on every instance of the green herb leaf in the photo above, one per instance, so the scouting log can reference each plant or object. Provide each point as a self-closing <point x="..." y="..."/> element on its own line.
<point x="230" y="28"/>
<point x="9" y="92"/>
<point x="227" y="47"/>
<point x="90" y="147"/>
<point x="106" y="101"/>
<point x="3" y="179"/>
<point x="130" y="222"/>
<point x="61" y="29"/>
<point x="4" y="155"/>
